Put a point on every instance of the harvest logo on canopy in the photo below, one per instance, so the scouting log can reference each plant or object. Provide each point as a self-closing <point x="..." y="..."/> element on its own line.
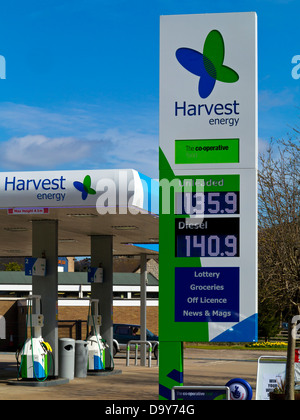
<point x="209" y="65"/>
<point x="85" y="187"/>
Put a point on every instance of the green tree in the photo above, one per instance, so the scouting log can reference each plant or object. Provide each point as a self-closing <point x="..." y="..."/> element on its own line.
<point x="13" y="266"/>
<point x="268" y="320"/>
<point x="278" y="233"/>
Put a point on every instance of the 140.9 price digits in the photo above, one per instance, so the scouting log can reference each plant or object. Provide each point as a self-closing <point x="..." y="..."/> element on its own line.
<point x="207" y="246"/>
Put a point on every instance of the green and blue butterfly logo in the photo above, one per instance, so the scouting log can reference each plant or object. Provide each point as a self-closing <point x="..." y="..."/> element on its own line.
<point x="209" y="65"/>
<point x="85" y="187"/>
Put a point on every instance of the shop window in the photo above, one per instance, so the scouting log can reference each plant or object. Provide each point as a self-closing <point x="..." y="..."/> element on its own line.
<point x="120" y="295"/>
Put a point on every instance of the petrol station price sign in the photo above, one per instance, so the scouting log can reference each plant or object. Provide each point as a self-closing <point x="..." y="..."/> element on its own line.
<point x="208" y="176"/>
<point x="208" y="184"/>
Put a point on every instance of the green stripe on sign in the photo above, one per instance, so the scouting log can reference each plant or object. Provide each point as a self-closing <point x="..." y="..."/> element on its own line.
<point x="206" y="151"/>
<point x="46" y="365"/>
<point x="24" y="367"/>
<point x="170" y="367"/>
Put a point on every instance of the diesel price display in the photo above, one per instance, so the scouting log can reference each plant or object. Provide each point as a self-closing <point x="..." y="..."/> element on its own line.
<point x="211" y="237"/>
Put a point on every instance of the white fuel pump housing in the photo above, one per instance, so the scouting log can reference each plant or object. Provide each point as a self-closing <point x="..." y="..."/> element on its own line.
<point x="96" y="346"/>
<point x="35" y="353"/>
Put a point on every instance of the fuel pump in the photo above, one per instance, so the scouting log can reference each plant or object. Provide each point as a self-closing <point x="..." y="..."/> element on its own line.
<point x="96" y="345"/>
<point x="35" y="352"/>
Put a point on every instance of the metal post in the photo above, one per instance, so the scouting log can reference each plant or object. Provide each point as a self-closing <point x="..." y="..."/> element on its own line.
<point x="143" y="281"/>
<point x="127" y="354"/>
<point x="290" y="363"/>
<point x="45" y="244"/>
<point x="150" y="354"/>
<point x="102" y="253"/>
<point x="137" y="344"/>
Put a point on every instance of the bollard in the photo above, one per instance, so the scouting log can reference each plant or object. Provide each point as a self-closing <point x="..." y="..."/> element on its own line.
<point x="81" y="358"/>
<point x="137" y="342"/>
<point x="66" y="357"/>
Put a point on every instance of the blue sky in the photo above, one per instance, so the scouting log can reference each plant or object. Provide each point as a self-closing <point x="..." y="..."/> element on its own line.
<point x="82" y="79"/>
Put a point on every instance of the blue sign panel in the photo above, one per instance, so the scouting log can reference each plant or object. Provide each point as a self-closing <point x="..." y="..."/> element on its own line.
<point x="207" y="294"/>
<point x="95" y="275"/>
<point x="29" y="262"/>
<point x="35" y="266"/>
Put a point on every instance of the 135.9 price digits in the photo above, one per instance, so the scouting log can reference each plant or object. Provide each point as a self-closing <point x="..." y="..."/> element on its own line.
<point x="207" y="203"/>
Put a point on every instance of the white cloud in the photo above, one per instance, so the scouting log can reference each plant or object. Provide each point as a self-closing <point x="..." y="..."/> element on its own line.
<point x="19" y="118"/>
<point x="39" y="151"/>
<point x="132" y="150"/>
<point x="111" y="150"/>
<point x="77" y="137"/>
<point x="268" y="99"/>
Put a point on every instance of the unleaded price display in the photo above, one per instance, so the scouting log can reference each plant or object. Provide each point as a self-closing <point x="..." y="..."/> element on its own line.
<point x="195" y="203"/>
